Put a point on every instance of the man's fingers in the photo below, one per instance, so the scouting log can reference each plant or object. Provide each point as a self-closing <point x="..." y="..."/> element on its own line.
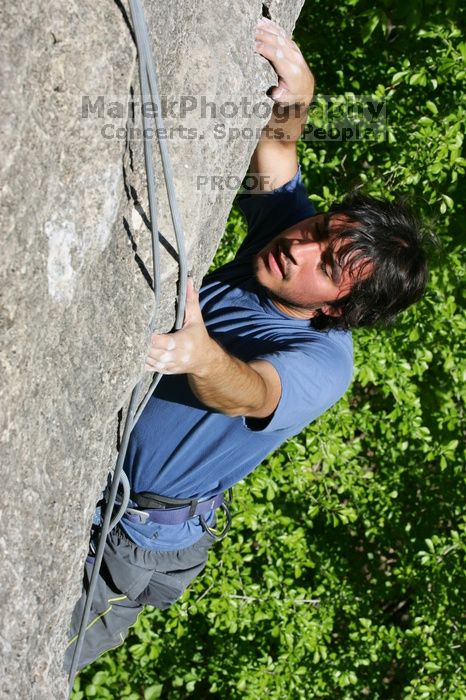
<point x="282" y="56"/>
<point x="278" y="93"/>
<point x="276" y="36"/>
<point x="273" y="54"/>
<point x="161" y="361"/>
<point x="160" y="369"/>
<point x="272" y="31"/>
<point x="177" y="352"/>
<point x="285" y="59"/>
<point x="153" y="365"/>
<point x="173" y="359"/>
<point x="274" y="44"/>
<point x="163" y="341"/>
<point x="271" y="26"/>
<point x="161" y="355"/>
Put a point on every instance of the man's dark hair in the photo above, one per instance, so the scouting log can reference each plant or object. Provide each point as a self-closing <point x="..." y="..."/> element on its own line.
<point x="383" y="246"/>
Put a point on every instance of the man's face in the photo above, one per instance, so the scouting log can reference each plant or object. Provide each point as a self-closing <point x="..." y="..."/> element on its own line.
<point x="299" y="270"/>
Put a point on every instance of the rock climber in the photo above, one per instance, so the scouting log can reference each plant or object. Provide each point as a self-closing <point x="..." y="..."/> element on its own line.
<point x="264" y="350"/>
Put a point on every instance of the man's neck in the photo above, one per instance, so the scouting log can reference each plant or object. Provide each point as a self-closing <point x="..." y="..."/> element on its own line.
<point x="293" y="311"/>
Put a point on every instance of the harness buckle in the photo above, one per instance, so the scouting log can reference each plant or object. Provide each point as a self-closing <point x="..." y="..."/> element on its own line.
<point x="140" y="514"/>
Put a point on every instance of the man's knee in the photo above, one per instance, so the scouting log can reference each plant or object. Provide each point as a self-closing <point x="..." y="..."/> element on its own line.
<point x="164" y="590"/>
<point x="105" y="630"/>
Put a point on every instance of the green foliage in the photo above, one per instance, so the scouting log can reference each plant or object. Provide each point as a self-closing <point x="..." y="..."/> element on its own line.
<point x="343" y="577"/>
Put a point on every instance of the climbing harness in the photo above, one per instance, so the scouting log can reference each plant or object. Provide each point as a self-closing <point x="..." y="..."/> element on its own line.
<point x="173" y="511"/>
<point x="149" y="88"/>
<point x="174" y="514"/>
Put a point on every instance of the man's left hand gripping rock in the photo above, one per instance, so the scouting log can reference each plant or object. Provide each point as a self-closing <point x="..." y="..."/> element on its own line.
<point x="185" y="351"/>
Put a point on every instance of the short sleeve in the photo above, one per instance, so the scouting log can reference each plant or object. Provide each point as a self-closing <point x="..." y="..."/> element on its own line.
<point x="312" y="381"/>
<point x="268" y="213"/>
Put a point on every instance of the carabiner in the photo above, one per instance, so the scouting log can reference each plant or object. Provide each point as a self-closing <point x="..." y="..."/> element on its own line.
<point x="218" y="536"/>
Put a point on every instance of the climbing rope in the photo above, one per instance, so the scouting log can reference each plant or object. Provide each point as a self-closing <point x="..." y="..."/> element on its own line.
<point x="139" y="19"/>
<point x="149" y="88"/>
<point x="124" y="483"/>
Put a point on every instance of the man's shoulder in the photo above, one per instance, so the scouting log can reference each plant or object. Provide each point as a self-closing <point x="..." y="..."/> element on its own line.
<point x="320" y="358"/>
<point x="268" y="213"/>
<point x="315" y="371"/>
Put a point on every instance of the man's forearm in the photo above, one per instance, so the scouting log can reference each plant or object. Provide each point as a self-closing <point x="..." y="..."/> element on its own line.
<point x="286" y="123"/>
<point x="229" y="385"/>
<point x="218" y="379"/>
<point x="274" y="161"/>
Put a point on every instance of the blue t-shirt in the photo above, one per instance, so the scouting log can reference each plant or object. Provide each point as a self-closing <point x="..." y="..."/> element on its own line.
<point x="180" y="448"/>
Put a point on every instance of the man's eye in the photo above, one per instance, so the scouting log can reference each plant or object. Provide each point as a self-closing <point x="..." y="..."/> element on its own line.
<point x="324" y="268"/>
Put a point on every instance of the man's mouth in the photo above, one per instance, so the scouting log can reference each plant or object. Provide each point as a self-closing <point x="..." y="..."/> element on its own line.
<point x="276" y="262"/>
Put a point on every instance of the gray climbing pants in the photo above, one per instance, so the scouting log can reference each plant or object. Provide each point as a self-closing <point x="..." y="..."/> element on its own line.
<point x="130" y="578"/>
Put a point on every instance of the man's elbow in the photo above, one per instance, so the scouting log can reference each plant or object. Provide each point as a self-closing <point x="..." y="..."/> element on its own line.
<point x="240" y="412"/>
<point x="264" y="410"/>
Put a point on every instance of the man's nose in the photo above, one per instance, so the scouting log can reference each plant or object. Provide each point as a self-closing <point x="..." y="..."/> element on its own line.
<point x="300" y="249"/>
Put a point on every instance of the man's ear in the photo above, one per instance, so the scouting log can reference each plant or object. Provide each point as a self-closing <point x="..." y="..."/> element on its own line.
<point x="331" y="310"/>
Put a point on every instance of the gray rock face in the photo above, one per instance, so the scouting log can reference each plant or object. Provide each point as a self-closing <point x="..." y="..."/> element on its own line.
<point x="76" y="302"/>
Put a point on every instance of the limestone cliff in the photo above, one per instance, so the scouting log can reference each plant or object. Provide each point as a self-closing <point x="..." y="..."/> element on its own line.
<point x="76" y="265"/>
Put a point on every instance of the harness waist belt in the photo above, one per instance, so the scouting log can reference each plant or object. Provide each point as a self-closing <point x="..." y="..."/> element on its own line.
<point x="174" y="516"/>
